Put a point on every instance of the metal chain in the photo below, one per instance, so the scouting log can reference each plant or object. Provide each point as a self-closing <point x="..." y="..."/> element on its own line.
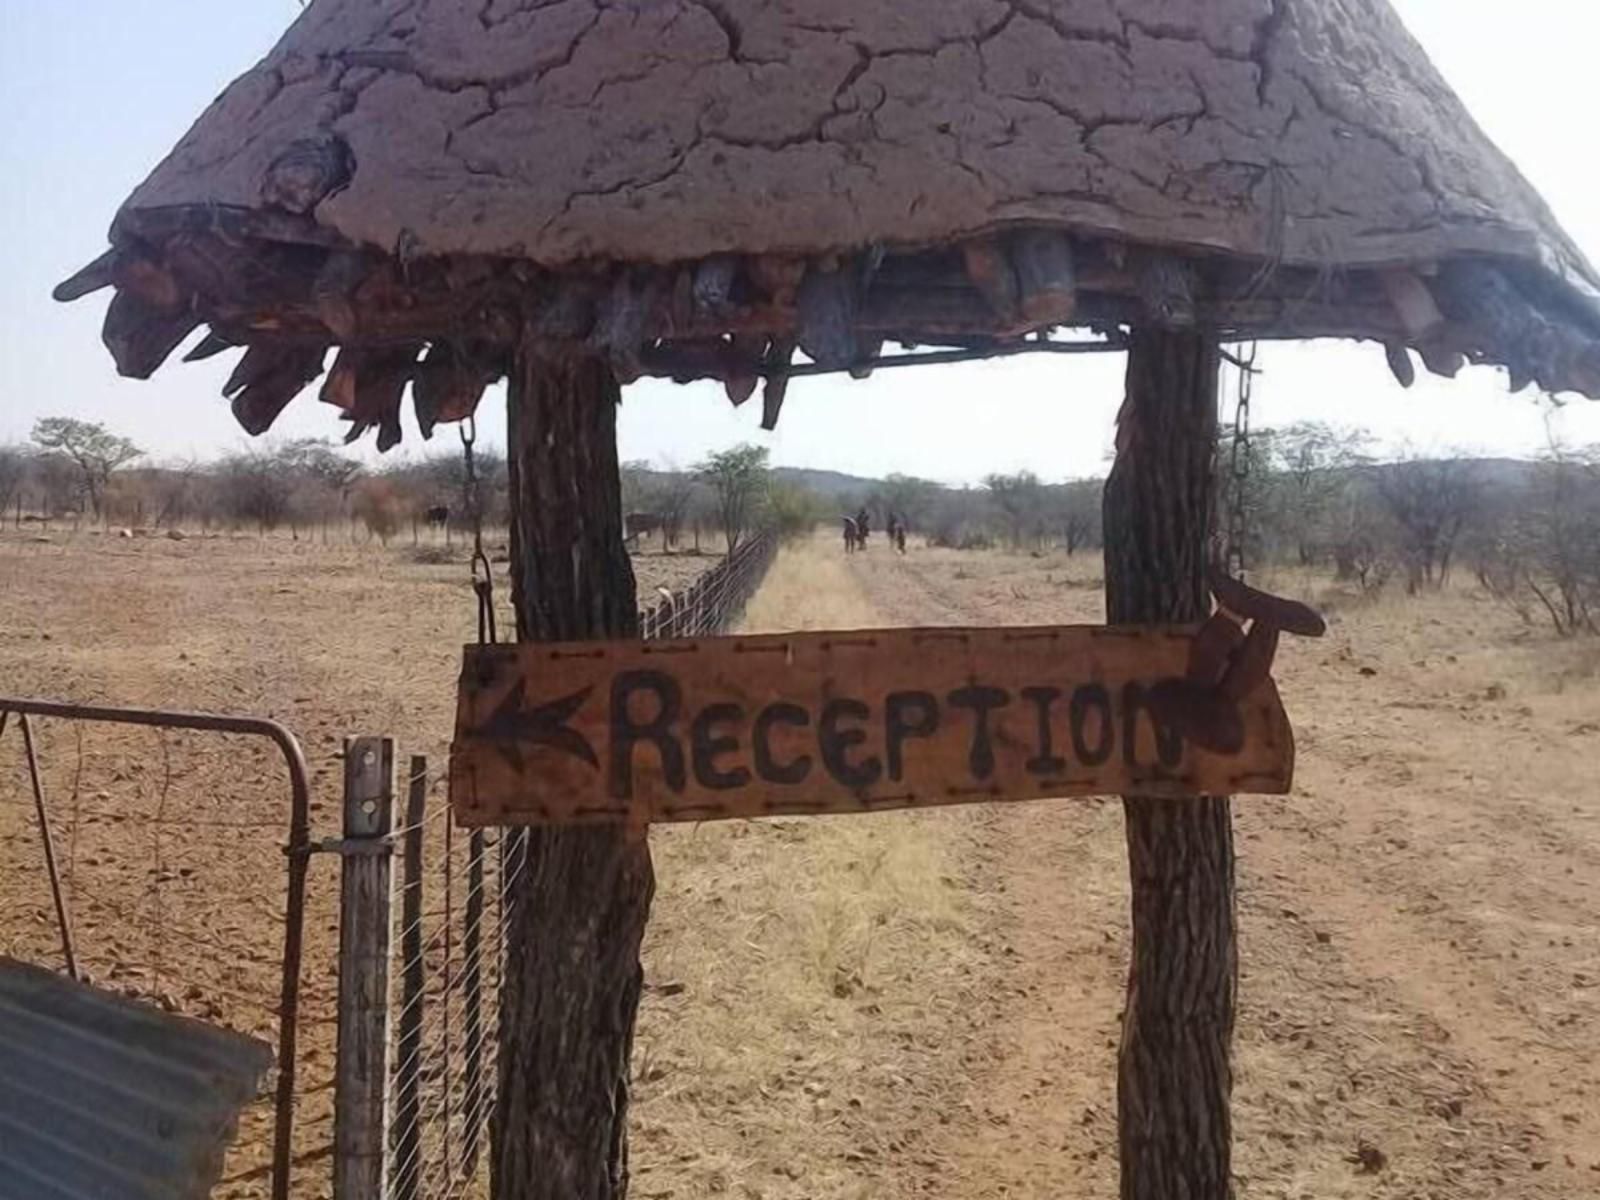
<point x="1239" y="464"/>
<point x="482" y="569"/>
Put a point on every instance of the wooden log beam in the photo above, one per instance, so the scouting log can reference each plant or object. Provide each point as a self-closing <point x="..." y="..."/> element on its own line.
<point x="778" y="278"/>
<point x="746" y="352"/>
<point x="141" y="336"/>
<point x="626" y="318"/>
<point x="1413" y="303"/>
<point x="87" y="280"/>
<point x="267" y="378"/>
<point x="1400" y="364"/>
<point x="1167" y="291"/>
<point x="1441" y="358"/>
<point x="827" y="311"/>
<point x="448" y="384"/>
<point x="367" y="386"/>
<point x="1175" y="1073"/>
<point x="713" y="285"/>
<point x="1047" y="278"/>
<point x="150" y="281"/>
<point x="333" y="292"/>
<point x="210" y="346"/>
<point x="777" y="386"/>
<point x="991" y="273"/>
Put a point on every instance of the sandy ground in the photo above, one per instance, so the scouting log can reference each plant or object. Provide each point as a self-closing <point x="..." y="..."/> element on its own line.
<point x="170" y="844"/>
<point x="907" y="1004"/>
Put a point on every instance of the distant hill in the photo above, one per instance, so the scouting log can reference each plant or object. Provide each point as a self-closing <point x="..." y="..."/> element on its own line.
<point x="834" y="485"/>
<point x="825" y="483"/>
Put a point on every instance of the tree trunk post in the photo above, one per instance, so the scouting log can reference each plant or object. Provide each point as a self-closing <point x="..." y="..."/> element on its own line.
<point x="582" y="896"/>
<point x="1175" y="1075"/>
<point x="361" y="1096"/>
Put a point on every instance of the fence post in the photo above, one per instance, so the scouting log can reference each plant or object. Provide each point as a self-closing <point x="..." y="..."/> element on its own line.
<point x="472" y="996"/>
<point x="360" y="1170"/>
<point x="408" y="1110"/>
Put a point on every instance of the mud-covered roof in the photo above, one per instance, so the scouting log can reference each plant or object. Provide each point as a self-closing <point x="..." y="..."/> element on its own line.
<point x="1264" y="167"/>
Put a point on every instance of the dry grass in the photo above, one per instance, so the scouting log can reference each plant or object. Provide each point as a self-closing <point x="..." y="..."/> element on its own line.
<point x="813" y="957"/>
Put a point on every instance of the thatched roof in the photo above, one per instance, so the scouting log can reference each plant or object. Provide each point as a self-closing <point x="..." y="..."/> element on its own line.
<point x="693" y="185"/>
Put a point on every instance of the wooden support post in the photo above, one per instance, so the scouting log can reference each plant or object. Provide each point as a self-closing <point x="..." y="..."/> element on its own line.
<point x="579" y="907"/>
<point x="360" y="1132"/>
<point x="1175" y="1076"/>
<point x="407" y="1169"/>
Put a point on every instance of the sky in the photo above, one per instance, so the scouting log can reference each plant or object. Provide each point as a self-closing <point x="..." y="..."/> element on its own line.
<point x="94" y="92"/>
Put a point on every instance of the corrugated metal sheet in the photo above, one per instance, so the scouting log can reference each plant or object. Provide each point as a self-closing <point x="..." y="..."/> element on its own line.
<point x="107" y="1099"/>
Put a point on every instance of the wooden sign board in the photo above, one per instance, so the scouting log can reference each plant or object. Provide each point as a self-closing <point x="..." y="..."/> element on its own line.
<point x="708" y="728"/>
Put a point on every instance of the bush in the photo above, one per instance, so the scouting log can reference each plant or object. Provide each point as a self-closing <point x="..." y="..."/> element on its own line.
<point x="792" y="511"/>
<point x="378" y="506"/>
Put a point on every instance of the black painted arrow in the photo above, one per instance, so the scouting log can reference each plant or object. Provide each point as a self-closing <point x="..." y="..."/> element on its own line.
<point x="513" y="726"/>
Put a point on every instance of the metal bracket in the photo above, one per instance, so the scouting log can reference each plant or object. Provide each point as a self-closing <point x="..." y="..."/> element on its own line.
<point x="352" y="847"/>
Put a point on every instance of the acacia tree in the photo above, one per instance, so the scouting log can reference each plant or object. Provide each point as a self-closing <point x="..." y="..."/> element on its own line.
<point x="1541" y="548"/>
<point x="94" y="450"/>
<point x="1020" y="500"/>
<point x="1311" y="462"/>
<point x="663" y="494"/>
<point x="1431" y="502"/>
<point x="909" y="498"/>
<point x="672" y="497"/>
<point x="637" y="480"/>
<point x="55" y="481"/>
<point x="1075" y="514"/>
<point x="738" y="477"/>
<point x="172" y="491"/>
<point x="1360" y="532"/>
<point x="257" y="489"/>
<point x="323" y="463"/>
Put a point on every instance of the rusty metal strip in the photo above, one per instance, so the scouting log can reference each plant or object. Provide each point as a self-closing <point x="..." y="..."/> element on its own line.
<point x="63" y="919"/>
<point x="102" y="1096"/>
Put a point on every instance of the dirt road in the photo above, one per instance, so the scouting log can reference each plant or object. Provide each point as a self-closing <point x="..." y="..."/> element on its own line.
<point x="1420" y="963"/>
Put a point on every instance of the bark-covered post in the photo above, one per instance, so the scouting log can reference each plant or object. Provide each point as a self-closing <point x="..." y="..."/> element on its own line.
<point x="1175" y="1075"/>
<point x="572" y="982"/>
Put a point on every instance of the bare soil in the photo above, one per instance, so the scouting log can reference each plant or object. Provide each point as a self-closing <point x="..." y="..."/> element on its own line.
<point x="906" y="1005"/>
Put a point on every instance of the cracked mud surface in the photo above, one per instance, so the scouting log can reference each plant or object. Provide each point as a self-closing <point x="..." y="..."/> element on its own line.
<point x="664" y="130"/>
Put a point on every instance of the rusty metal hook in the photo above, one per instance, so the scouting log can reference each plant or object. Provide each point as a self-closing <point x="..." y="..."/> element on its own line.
<point x="1228" y="662"/>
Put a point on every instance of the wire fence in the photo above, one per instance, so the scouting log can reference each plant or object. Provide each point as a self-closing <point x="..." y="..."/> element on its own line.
<point x="454" y="896"/>
<point x="144" y="851"/>
<point x="169" y="861"/>
<point x="715" y="601"/>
